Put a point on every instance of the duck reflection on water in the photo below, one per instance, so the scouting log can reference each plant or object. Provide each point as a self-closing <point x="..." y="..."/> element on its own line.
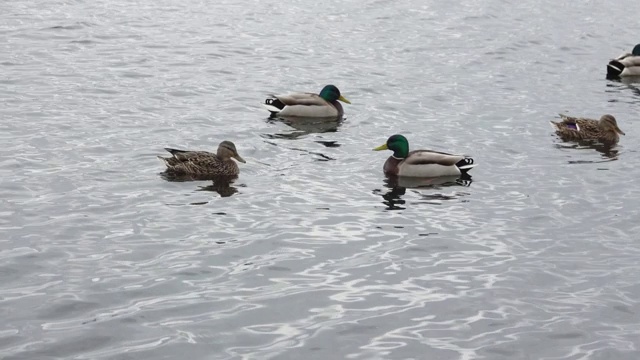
<point x="393" y="198"/>
<point x="304" y="126"/>
<point x="223" y="185"/>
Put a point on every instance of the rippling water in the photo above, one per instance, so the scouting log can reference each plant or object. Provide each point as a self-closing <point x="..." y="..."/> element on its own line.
<point x="311" y="253"/>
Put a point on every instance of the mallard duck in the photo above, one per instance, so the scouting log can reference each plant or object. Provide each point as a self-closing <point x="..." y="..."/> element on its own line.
<point x="421" y="163"/>
<point x="605" y="130"/>
<point x="627" y="64"/>
<point x="203" y="162"/>
<point x="307" y="104"/>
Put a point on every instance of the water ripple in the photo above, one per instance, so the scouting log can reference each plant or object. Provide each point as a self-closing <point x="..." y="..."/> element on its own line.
<point x="311" y="253"/>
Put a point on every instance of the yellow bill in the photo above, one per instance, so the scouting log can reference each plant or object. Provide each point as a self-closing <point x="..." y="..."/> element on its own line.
<point x="381" y="147"/>
<point x="344" y="99"/>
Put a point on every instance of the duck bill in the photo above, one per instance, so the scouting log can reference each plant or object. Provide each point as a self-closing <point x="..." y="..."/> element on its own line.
<point x="239" y="158"/>
<point x="381" y="147"/>
<point x="344" y="99"/>
<point x="620" y="131"/>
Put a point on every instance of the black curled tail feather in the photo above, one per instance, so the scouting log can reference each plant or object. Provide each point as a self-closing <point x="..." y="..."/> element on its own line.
<point x="464" y="179"/>
<point x="614" y="68"/>
<point x="465" y="164"/>
<point x="275" y="102"/>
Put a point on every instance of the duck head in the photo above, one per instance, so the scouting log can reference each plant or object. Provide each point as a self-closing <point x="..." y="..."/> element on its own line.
<point x="227" y="150"/>
<point x="331" y="94"/>
<point x="609" y="123"/>
<point x="398" y="144"/>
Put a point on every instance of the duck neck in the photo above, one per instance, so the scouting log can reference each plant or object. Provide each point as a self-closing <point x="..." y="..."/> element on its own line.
<point x="338" y="107"/>
<point x="611" y="136"/>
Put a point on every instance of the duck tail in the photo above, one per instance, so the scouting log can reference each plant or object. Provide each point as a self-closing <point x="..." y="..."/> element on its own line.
<point x="614" y="68"/>
<point x="164" y="160"/>
<point x="273" y="104"/>
<point x="465" y="164"/>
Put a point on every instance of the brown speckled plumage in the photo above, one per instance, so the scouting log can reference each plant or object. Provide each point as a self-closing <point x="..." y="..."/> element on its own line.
<point x="203" y="162"/>
<point x="605" y="130"/>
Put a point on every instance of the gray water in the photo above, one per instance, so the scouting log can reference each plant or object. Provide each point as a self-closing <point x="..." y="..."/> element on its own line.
<point x="310" y="253"/>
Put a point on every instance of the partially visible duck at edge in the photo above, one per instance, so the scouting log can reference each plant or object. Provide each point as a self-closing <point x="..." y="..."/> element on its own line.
<point x="627" y="64"/>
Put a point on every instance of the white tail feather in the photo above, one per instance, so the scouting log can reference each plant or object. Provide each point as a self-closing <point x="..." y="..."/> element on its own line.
<point x="464" y="167"/>
<point x="271" y="108"/>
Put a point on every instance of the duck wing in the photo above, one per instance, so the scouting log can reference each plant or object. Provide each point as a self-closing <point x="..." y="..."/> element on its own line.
<point x="588" y="125"/>
<point x="306" y="99"/>
<point x="187" y="155"/>
<point x="193" y="162"/>
<point x="426" y="157"/>
<point x="630" y="61"/>
<point x="428" y="163"/>
<point x="568" y="123"/>
<point x="623" y="55"/>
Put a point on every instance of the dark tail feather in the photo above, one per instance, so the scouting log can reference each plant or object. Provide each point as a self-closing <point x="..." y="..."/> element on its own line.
<point x="275" y="102"/>
<point x="464" y="179"/>
<point x="614" y="68"/>
<point x="175" y="151"/>
<point x="465" y="165"/>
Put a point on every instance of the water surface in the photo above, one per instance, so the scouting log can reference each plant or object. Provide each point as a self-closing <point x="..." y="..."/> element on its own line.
<point x="311" y="253"/>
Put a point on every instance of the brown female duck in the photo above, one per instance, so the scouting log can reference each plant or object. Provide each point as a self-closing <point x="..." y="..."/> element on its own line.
<point x="203" y="162"/>
<point x="605" y="130"/>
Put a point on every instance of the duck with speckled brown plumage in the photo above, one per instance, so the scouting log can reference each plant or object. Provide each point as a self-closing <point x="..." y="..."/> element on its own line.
<point x="203" y="162"/>
<point x="571" y="128"/>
